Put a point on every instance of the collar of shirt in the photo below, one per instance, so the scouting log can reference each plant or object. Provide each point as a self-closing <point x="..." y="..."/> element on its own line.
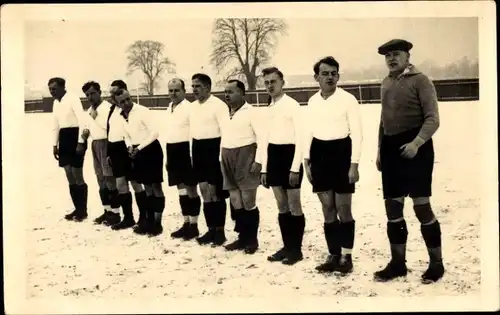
<point x="239" y="130"/>
<point x="242" y="107"/>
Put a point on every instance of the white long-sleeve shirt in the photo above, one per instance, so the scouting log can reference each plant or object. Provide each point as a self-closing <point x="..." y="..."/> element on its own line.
<point x="98" y="126"/>
<point x="140" y="127"/>
<point x="67" y="113"/>
<point x="334" y="118"/>
<point x="283" y="122"/>
<point x="116" y="131"/>
<point x="177" y="123"/>
<point x="206" y="118"/>
<point x="243" y="129"/>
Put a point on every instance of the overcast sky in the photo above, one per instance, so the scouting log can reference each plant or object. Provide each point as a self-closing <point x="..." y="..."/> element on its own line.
<point x="95" y="50"/>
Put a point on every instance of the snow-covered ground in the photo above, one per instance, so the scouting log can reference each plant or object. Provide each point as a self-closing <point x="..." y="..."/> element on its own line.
<point x="81" y="260"/>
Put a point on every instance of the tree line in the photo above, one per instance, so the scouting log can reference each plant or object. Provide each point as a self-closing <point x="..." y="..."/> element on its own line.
<point x="242" y="47"/>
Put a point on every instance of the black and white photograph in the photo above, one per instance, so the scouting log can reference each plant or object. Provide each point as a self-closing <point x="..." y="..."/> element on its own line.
<point x="250" y="157"/>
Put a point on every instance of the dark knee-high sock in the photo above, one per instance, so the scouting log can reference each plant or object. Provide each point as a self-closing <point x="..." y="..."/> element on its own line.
<point x="73" y="192"/>
<point x="158" y="209"/>
<point x="220" y="209"/>
<point x="234" y="216"/>
<point x="397" y="233"/>
<point x="298" y="224"/>
<point x="194" y="209"/>
<point x="347" y="236"/>
<point x="84" y="191"/>
<point x="160" y="204"/>
<point x="185" y="204"/>
<point x="105" y="198"/>
<point x="126" y="204"/>
<point x="150" y="213"/>
<point x="332" y="236"/>
<point x="284" y="224"/>
<point x="114" y="201"/>
<point x="431" y="232"/>
<point x="253" y="217"/>
<point x="208" y="211"/>
<point x="142" y="203"/>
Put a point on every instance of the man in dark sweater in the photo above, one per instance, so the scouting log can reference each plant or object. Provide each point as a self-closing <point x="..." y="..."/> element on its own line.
<point x="406" y="158"/>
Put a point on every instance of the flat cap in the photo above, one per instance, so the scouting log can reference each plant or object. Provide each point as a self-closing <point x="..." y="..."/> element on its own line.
<point x="395" y="44"/>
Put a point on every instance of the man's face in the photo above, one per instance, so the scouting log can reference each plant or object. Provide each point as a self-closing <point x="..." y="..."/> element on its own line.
<point x="176" y="92"/>
<point x="112" y="92"/>
<point x="274" y="84"/>
<point x="93" y="96"/>
<point x="200" y="91"/>
<point x="397" y="60"/>
<point x="327" y="77"/>
<point x="233" y="95"/>
<point x="124" y="101"/>
<point x="55" y="90"/>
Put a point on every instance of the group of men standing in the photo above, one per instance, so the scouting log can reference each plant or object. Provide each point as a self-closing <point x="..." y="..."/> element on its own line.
<point x="230" y="148"/>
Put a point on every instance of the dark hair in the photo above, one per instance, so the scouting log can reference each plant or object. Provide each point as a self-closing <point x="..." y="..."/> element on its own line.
<point x="271" y="70"/>
<point x="328" y="61"/>
<point x="205" y="79"/>
<point x="91" y="84"/>
<point x="120" y="84"/>
<point x="57" y="80"/>
<point x="239" y="84"/>
<point x="183" y="85"/>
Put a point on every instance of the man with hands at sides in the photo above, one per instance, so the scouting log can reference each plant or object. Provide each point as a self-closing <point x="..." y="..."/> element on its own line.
<point x="331" y="158"/>
<point x="281" y="165"/>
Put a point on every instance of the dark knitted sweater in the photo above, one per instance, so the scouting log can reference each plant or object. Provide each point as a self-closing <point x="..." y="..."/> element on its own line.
<point x="409" y="101"/>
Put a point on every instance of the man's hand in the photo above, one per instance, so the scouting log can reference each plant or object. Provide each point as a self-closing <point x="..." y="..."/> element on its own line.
<point x="377" y="163"/>
<point x="80" y="149"/>
<point x="307" y="169"/>
<point x="294" y="179"/>
<point x="85" y="134"/>
<point x="134" y="152"/>
<point x="353" y="173"/>
<point x="256" y="168"/>
<point x="108" y="159"/>
<point x="55" y="152"/>
<point x="263" y="180"/>
<point x="409" y="150"/>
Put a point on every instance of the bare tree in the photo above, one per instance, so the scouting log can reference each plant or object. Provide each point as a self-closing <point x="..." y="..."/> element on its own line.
<point x="147" y="56"/>
<point x="244" y="45"/>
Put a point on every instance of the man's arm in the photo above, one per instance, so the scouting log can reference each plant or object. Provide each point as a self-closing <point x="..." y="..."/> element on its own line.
<point x="258" y="130"/>
<point x="428" y="100"/>
<point x="146" y="119"/>
<point x="264" y="140"/>
<point x="299" y="138"/>
<point x="221" y="114"/>
<point x="355" y="129"/>
<point x="55" y="129"/>
<point x="81" y="116"/>
<point x="380" y="131"/>
<point x="308" y="131"/>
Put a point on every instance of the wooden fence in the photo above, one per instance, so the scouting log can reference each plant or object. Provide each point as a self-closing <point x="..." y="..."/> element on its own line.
<point x="447" y="90"/>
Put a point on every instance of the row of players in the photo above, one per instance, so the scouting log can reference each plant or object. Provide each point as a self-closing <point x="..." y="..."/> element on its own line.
<point x="228" y="151"/>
